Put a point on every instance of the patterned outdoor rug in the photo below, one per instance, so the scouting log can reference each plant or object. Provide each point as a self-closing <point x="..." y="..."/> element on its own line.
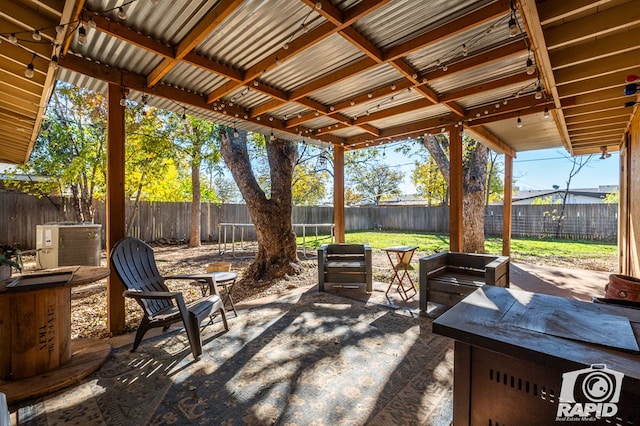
<point x="311" y="359"/>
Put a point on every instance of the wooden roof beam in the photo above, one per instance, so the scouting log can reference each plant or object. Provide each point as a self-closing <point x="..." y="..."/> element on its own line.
<point x="202" y="29"/>
<point x="129" y="79"/>
<point x="491" y="140"/>
<point x="486" y="87"/>
<point x="475" y="18"/>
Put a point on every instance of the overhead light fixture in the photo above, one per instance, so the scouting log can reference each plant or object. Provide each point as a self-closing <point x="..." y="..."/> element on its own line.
<point x="36" y="35"/>
<point x="121" y="13"/>
<point x="272" y="137"/>
<point x="60" y="29"/>
<point x="465" y="51"/>
<point x="12" y="38"/>
<point x="519" y="121"/>
<point x="605" y="154"/>
<point x="82" y="35"/>
<point x="546" y="112"/>
<point x="92" y="23"/>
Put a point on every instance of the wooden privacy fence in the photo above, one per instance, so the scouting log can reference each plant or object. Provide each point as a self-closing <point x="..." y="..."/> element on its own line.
<point x="154" y="221"/>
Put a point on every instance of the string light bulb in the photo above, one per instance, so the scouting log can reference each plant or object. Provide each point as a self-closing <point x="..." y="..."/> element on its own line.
<point x="318" y="5"/>
<point x="36" y="35"/>
<point x="272" y="137"/>
<point x="82" y="35"/>
<point x="60" y="29"/>
<point x="531" y="68"/>
<point x="519" y="122"/>
<point x="54" y="61"/>
<point x="12" y="38"/>
<point x="513" y="26"/>
<point x="538" y="92"/>
<point x="465" y="51"/>
<point x="28" y="72"/>
<point x="546" y="112"/>
<point x="123" y="99"/>
<point x="121" y="13"/>
<point x="92" y="23"/>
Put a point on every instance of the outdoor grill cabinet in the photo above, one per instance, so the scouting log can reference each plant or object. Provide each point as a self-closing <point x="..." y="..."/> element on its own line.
<point x="346" y="266"/>
<point x="519" y="355"/>
<point x="448" y="277"/>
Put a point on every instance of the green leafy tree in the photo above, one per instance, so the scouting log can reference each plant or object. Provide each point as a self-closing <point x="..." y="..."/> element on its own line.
<point x="495" y="183"/>
<point x="370" y="177"/>
<point x="429" y="182"/>
<point x="309" y="176"/>
<point x="70" y="150"/>
<point x="612" y="198"/>
<point x="196" y="145"/>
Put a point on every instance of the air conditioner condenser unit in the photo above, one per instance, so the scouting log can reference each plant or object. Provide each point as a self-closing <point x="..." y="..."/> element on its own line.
<point x="68" y="244"/>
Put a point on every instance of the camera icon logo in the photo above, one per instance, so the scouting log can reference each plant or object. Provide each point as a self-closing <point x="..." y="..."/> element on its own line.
<point x="590" y="392"/>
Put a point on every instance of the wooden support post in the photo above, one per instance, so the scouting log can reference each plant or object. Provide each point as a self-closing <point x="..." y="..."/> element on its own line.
<point x="338" y="193"/>
<point x="115" y="205"/>
<point x="455" y="189"/>
<point x="507" y="206"/>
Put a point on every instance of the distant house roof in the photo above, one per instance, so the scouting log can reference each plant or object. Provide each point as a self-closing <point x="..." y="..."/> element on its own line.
<point x="522" y="196"/>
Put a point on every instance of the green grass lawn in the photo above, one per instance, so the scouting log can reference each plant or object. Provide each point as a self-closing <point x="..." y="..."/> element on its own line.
<point x="520" y="247"/>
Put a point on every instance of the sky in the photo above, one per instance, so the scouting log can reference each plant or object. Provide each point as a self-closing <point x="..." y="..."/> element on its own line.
<point x="538" y="170"/>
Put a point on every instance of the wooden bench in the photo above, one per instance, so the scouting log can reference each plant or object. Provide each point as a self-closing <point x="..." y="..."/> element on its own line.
<point x="345" y="265"/>
<point x="448" y="277"/>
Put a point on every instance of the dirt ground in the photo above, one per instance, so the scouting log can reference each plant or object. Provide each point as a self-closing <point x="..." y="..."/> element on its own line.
<point x="89" y="307"/>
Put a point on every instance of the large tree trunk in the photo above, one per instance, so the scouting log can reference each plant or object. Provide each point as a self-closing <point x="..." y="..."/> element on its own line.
<point x="473" y="183"/>
<point x="475" y="187"/>
<point x="277" y="251"/>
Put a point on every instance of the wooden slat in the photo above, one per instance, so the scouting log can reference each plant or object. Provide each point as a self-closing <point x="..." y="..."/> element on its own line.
<point x="603" y="22"/>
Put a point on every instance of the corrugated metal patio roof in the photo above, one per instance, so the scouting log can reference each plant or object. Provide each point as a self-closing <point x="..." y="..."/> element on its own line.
<point x="354" y="73"/>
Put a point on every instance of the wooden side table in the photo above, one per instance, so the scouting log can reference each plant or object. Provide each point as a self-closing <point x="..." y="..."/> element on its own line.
<point x="226" y="280"/>
<point x="401" y="265"/>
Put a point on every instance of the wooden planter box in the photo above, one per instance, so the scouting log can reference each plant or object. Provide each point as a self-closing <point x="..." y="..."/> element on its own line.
<point x="448" y="277"/>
